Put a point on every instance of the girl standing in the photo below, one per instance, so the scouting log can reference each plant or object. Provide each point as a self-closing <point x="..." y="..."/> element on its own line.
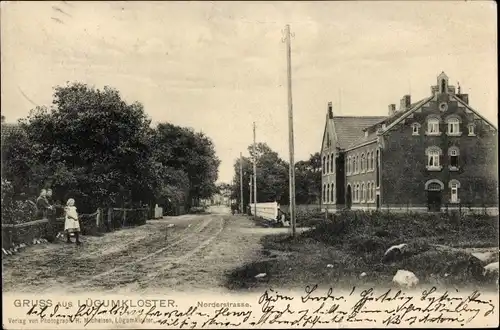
<point x="71" y="224"/>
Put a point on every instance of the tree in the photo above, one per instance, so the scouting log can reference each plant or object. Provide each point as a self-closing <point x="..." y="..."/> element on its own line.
<point x="193" y="153"/>
<point x="90" y="145"/>
<point x="308" y="180"/>
<point x="273" y="177"/>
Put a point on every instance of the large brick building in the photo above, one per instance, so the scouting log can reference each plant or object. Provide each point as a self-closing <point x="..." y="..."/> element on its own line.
<point x="427" y="155"/>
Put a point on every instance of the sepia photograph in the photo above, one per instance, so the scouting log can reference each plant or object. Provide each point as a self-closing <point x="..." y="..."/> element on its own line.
<point x="234" y="164"/>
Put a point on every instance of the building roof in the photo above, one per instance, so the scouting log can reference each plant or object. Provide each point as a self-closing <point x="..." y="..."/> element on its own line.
<point x="10" y="128"/>
<point x="349" y="129"/>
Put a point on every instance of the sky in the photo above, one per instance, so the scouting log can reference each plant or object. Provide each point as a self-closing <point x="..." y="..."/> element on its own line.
<point x="219" y="66"/>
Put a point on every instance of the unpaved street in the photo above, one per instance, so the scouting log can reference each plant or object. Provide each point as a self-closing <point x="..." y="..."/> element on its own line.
<point x="190" y="252"/>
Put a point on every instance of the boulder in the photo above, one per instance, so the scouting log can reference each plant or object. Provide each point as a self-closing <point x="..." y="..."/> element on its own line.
<point x="486" y="257"/>
<point x="405" y="279"/>
<point x="491" y="269"/>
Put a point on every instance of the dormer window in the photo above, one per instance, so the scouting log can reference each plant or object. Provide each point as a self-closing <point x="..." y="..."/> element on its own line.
<point x="415" y="128"/>
<point x="471" y="128"/>
<point x="433" y="126"/>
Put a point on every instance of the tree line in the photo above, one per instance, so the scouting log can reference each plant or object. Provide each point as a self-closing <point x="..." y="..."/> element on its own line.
<point x="93" y="146"/>
<point x="273" y="177"/>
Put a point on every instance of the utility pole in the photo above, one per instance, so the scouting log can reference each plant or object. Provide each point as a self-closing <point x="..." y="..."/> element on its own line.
<point x="254" y="175"/>
<point x="290" y="128"/>
<point x="250" y="184"/>
<point x="241" y="182"/>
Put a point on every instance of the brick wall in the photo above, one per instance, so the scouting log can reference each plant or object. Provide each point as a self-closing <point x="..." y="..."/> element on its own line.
<point x="403" y="160"/>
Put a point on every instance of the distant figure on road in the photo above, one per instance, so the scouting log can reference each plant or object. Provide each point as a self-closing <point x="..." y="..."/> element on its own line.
<point x="282" y="219"/>
<point x="234" y="208"/>
<point x="42" y="204"/>
<point x="71" y="224"/>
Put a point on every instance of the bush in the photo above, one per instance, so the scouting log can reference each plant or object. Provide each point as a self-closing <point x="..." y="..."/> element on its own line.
<point x="370" y="228"/>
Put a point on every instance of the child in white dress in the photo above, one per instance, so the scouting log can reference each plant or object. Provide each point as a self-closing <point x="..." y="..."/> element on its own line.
<point x="71" y="224"/>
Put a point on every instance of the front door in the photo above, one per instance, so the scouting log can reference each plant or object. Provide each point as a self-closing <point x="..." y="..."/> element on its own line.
<point x="434" y="200"/>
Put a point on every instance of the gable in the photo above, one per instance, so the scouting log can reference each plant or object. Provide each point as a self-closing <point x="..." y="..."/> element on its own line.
<point x="469" y="109"/>
<point x="328" y="135"/>
<point x="404" y="115"/>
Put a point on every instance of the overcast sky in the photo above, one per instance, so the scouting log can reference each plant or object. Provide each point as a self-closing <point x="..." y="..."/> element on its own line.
<point x="219" y="66"/>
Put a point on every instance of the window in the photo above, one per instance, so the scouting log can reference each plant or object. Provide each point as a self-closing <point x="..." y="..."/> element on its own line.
<point x="357" y="164"/>
<point x="331" y="163"/>
<point x="362" y="162"/>
<point x="454" y="186"/>
<point x="433" y="126"/>
<point x="453" y="152"/>
<point x="354" y="164"/>
<point x="453" y="126"/>
<point x="328" y="164"/>
<point x="372" y="161"/>
<point x="324" y="193"/>
<point x="332" y="193"/>
<point x="324" y="164"/>
<point x="433" y="154"/>
<point x="363" y="192"/>
<point x="349" y="165"/>
<point x="415" y="128"/>
<point x="328" y="193"/>
<point x="471" y="130"/>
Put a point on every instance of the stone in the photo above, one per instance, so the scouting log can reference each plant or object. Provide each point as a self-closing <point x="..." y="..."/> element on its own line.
<point x="261" y="275"/>
<point x="4" y="251"/>
<point x="485" y="257"/>
<point x="491" y="269"/>
<point x="394" y="252"/>
<point x="405" y="279"/>
<point x="363" y="274"/>
<point x="329" y="266"/>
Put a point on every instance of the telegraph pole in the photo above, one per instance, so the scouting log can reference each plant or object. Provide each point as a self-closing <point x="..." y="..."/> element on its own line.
<point x="250" y="184"/>
<point x="290" y="128"/>
<point x="241" y="183"/>
<point x="254" y="175"/>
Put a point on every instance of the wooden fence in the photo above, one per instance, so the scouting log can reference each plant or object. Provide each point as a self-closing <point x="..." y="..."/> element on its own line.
<point x="90" y="224"/>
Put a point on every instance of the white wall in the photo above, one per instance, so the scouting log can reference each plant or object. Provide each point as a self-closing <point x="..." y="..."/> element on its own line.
<point x="268" y="211"/>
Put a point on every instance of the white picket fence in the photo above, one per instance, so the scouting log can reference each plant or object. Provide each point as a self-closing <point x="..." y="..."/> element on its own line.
<point x="268" y="211"/>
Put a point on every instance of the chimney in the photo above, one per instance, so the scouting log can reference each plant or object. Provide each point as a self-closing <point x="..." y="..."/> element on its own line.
<point x="330" y="110"/>
<point x="392" y="109"/>
<point x="405" y="103"/>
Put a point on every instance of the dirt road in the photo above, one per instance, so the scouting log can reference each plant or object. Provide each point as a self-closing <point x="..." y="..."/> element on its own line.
<point x="191" y="252"/>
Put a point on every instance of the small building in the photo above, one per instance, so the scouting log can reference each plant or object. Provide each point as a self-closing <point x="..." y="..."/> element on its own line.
<point x="431" y="154"/>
